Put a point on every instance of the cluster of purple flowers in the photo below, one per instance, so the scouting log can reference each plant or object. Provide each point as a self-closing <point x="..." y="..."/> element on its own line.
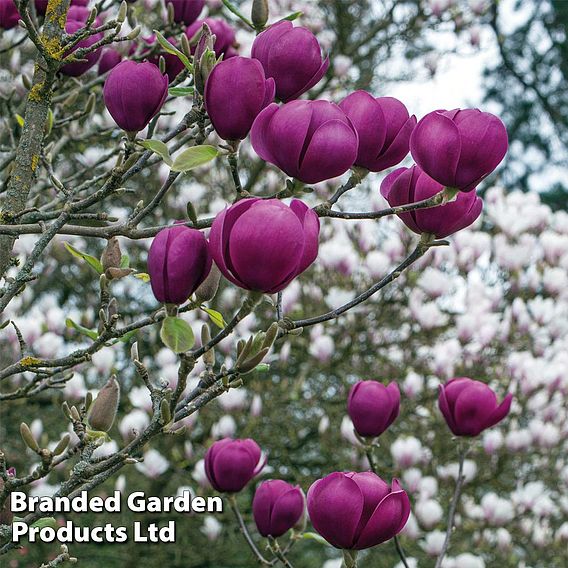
<point x="353" y="510"/>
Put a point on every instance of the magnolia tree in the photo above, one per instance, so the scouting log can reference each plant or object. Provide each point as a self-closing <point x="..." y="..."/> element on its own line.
<point x="194" y="300"/>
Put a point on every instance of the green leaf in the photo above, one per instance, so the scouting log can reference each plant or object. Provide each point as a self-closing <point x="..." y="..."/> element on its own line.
<point x="216" y="317"/>
<point x="177" y="334"/>
<point x="81" y="329"/>
<point x="158" y="147"/>
<point x="124" y="261"/>
<point x="262" y="368"/>
<point x="45" y="522"/>
<point x="316" y="537"/>
<point x="128" y="336"/>
<point x="90" y="260"/>
<point x="291" y="17"/>
<point x="181" y="91"/>
<point x="20" y="120"/>
<point x="194" y="157"/>
<point x="173" y="50"/>
<point x="237" y="13"/>
<point x="142" y="276"/>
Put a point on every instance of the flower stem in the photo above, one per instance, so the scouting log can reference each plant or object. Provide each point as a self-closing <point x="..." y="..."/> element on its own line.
<point x="453" y="506"/>
<point x="244" y="531"/>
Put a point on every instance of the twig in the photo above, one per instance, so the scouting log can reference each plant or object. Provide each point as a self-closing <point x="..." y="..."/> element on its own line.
<point x="244" y="531"/>
<point x="453" y="506"/>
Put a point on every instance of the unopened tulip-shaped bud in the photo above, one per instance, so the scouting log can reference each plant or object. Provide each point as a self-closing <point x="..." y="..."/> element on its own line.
<point x="320" y="141"/>
<point x="292" y="57"/>
<point x="178" y="262"/>
<point x="224" y="35"/>
<point x="77" y="68"/>
<point x="373" y="407"/>
<point x="459" y="148"/>
<point x="131" y="107"/>
<point x="409" y="185"/>
<point x="207" y="290"/>
<point x="9" y="14"/>
<point x="354" y="511"/>
<point x="470" y="407"/>
<point x="235" y="93"/>
<point x="231" y="464"/>
<point x="103" y="410"/>
<point x="186" y="11"/>
<point x="263" y="244"/>
<point x="277" y="507"/>
<point x="384" y="128"/>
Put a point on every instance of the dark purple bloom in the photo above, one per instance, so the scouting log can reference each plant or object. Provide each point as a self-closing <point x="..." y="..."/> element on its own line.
<point x="132" y="107"/>
<point x="174" y="65"/>
<point x="459" y="148"/>
<point x="384" y="128"/>
<point x="178" y="262"/>
<point x="263" y="244"/>
<point x="231" y="464"/>
<point x="81" y="14"/>
<point x="470" y="407"/>
<point x="186" y="11"/>
<point x="109" y="59"/>
<point x="79" y="67"/>
<point x="357" y="510"/>
<point x="409" y="185"/>
<point x="373" y="407"/>
<point x="277" y="507"/>
<point x="225" y="37"/>
<point x="9" y="14"/>
<point x="292" y="56"/>
<point x="309" y="140"/>
<point x="235" y="93"/>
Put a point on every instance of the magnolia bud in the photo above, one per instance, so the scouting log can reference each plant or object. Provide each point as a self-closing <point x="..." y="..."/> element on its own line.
<point x="103" y="410"/>
<point x="210" y="285"/>
<point x="259" y="13"/>
<point x="111" y="255"/>
<point x="28" y="437"/>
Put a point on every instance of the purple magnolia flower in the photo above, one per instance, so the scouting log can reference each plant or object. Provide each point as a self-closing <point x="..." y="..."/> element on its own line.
<point x="235" y="92"/>
<point x="459" y="148"/>
<point x="231" y="464"/>
<point x="178" y="262"/>
<point x="292" y="56"/>
<point x="81" y="14"/>
<point x="79" y="67"/>
<point x="9" y="14"/>
<point x="309" y="140"/>
<point x="470" y="407"/>
<point x="109" y="60"/>
<point x="373" y="407"/>
<point x="357" y="510"/>
<point x="225" y="37"/>
<point x="263" y="244"/>
<point x="384" y="128"/>
<point x="277" y="507"/>
<point x="174" y="65"/>
<point x="186" y="11"/>
<point x="409" y="185"/>
<point x="132" y="107"/>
